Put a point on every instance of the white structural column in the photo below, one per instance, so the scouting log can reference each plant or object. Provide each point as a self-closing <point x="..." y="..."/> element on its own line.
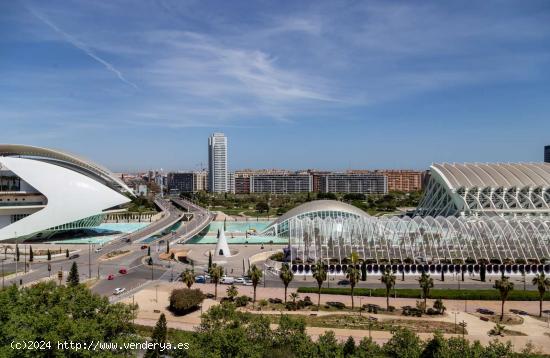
<point x="71" y="196"/>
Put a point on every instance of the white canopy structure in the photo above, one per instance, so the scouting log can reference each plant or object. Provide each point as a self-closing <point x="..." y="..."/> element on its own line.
<point x="504" y="189"/>
<point x="50" y="191"/>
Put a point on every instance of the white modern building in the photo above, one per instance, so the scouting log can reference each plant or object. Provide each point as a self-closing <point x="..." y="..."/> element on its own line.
<point x="218" y="174"/>
<point x="475" y="189"/>
<point x="45" y="190"/>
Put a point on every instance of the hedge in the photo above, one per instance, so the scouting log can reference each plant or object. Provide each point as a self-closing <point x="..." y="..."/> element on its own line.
<point x="453" y="294"/>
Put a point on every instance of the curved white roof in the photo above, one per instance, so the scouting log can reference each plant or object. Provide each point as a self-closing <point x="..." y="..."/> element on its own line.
<point x="505" y="175"/>
<point x="64" y="157"/>
<point x="320" y="205"/>
<point x="71" y="195"/>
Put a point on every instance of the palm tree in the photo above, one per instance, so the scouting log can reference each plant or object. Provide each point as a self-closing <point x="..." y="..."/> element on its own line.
<point x="232" y="292"/>
<point x="216" y="272"/>
<point x="353" y="275"/>
<point x="294" y="296"/>
<point x="505" y="287"/>
<point x="388" y="279"/>
<point x="543" y="284"/>
<point x="426" y="283"/>
<point x="188" y="277"/>
<point x="286" y="276"/>
<point x="255" y="275"/>
<point x="320" y="275"/>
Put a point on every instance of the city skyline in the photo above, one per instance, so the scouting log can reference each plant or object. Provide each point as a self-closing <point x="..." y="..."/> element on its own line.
<point x="294" y="85"/>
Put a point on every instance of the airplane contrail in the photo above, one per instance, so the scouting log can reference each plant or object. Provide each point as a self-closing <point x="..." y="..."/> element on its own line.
<point x="81" y="46"/>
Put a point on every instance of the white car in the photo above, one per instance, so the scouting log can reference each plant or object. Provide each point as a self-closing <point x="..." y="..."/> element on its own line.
<point x="240" y="280"/>
<point x="99" y="249"/>
<point x="118" y="290"/>
<point x="247" y="283"/>
<point x="228" y="280"/>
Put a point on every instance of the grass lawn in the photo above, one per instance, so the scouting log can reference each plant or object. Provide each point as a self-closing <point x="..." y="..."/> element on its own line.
<point x="451" y="294"/>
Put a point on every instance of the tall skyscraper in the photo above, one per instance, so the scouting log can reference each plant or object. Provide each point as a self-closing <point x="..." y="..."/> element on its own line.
<point x="218" y="175"/>
<point x="547" y="154"/>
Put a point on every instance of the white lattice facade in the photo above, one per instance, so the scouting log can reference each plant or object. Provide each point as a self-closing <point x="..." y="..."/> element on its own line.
<point x="516" y="189"/>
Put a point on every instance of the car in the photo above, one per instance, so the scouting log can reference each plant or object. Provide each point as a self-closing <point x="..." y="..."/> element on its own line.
<point x="123" y="271"/>
<point x="111" y="277"/>
<point x="248" y="283"/>
<point x="228" y="280"/>
<point x="143" y="247"/>
<point x="99" y="249"/>
<point x="343" y="282"/>
<point x="520" y="312"/>
<point x="240" y="280"/>
<point x="200" y="279"/>
<point x="485" y="311"/>
<point x="118" y="290"/>
<point x="75" y="256"/>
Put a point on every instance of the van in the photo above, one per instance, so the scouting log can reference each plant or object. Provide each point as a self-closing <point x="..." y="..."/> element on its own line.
<point x="228" y="280"/>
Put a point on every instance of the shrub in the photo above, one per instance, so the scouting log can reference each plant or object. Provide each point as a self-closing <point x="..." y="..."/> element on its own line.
<point x="431" y="311"/>
<point x="278" y="256"/>
<point x="291" y="306"/>
<point x="275" y="300"/>
<point x="391" y="308"/>
<point x="242" y="301"/>
<point x="307" y="301"/>
<point x="185" y="300"/>
<point x="336" y="304"/>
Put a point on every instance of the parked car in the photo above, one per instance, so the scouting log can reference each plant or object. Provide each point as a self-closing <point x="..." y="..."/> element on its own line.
<point x="74" y="256"/>
<point x="200" y="279"/>
<point x="228" y="280"/>
<point x="143" y="247"/>
<point x="248" y="283"/>
<point x="485" y="311"/>
<point x="123" y="271"/>
<point x="343" y="282"/>
<point x="118" y="290"/>
<point x="111" y="277"/>
<point x="99" y="249"/>
<point x="240" y="280"/>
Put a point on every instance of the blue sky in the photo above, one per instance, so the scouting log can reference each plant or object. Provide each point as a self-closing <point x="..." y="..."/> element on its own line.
<point x="293" y="84"/>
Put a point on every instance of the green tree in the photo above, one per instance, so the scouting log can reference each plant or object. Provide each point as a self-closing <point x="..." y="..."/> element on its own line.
<point x="188" y="277"/>
<point x="348" y="349"/>
<point x="286" y="275"/>
<point x="426" y="283"/>
<point x="435" y="347"/>
<point x="388" y="279"/>
<point x="31" y="254"/>
<point x="543" y="284"/>
<point x="504" y="286"/>
<point x="320" y="275"/>
<point x="403" y="344"/>
<point x="49" y="255"/>
<point x="294" y="296"/>
<point x="327" y="346"/>
<point x="232" y="292"/>
<point x="158" y="337"/>
<point x="255" y="275"/>
<point x="262" y="207"/>
<point x="62" y="313"/>
<point x="216" y="273"/>
<point x="353" y="275"/>
<point x="367" y="348"/>
<point x="73" y="278"/>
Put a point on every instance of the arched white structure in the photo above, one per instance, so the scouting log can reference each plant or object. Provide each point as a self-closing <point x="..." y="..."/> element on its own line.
<point x="78" y="193"/>
<point x="503" y="189"/>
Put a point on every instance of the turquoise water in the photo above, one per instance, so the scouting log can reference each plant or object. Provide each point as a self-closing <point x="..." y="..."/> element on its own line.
<point x="106" y="232"/>
<point x="253" y="240"/>
<point x="238" y="227"/>
<point x="235" y="233"/>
